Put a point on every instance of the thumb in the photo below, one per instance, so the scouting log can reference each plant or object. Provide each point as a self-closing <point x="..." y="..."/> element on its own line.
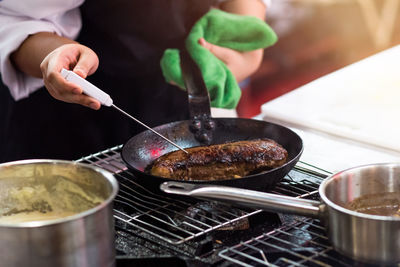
<point x="220" y="52"/>
<point x="87" y="63"/>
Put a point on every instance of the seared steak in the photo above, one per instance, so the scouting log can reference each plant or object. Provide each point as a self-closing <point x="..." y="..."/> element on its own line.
<point x="223" y="161"/>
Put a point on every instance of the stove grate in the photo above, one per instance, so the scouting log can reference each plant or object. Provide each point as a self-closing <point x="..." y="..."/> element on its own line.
<point x="172" y="220"/>
<point x="302" y="243"/>
<point x="298" y="241"/>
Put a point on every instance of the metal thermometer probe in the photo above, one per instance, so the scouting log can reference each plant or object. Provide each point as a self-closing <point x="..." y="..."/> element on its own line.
<point x="105" y="99"/>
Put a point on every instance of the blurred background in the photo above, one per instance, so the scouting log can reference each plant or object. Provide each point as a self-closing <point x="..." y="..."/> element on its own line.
<point x="317" y="37"/>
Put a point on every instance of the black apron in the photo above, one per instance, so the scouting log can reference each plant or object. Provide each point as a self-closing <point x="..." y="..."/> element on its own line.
<point x="129" y="37"/>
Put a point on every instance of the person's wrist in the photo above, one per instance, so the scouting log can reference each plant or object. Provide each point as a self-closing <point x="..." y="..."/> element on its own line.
<point x="256" y="8"/>
<point x="34" y="49"/>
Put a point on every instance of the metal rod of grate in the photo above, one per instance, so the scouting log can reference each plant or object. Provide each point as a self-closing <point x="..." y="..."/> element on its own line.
<point x="302" y="243"/>
<point x="176" y="221"/>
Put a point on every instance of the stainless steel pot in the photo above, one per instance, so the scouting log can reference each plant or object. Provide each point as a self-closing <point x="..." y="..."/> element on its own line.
<point x="80" y="230"/>
<point x="364" y="237"/>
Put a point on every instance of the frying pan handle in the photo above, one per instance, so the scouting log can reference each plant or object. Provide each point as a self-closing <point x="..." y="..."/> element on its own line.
<point x="249" y="198"/>
<point x="198" y="98"/>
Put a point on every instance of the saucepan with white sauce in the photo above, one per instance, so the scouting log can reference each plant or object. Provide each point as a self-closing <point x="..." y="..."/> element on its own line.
<point x="56" y="213"/>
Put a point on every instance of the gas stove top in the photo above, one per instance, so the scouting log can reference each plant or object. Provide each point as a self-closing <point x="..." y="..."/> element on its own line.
<point x="155" y="228"/>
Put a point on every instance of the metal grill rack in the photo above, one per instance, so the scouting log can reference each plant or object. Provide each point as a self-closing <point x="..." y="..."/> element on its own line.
<point x="158" y="215"/>
<point x="302" y="243"/>
<point x="298" y="241"/>
<point x="162" y="216"/>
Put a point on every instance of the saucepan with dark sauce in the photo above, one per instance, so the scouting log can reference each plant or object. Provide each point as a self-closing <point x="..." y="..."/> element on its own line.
<point x="360" y="207"/>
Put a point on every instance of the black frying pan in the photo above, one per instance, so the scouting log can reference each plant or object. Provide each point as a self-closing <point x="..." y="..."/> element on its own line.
<point x="141" y="150"/>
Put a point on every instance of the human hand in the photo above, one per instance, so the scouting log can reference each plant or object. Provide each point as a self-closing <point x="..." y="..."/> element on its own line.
<point x="241" y="64"/>
<point x="82" y="60"/>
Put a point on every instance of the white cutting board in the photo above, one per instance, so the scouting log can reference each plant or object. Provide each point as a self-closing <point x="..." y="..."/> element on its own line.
<point x="359" y="102"/>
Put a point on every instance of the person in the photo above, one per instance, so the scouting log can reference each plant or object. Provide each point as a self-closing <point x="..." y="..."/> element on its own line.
<point x="116" y="45"/>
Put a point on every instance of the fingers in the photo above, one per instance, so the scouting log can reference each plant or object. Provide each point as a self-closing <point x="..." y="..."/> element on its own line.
<point x="241" y="64"/>
<point x="61" y="89"/>
<point x="87" y="64"/>
<point x="75" y="56"/>
<point x="220" y="52"/>
<point x="233" y="59"/>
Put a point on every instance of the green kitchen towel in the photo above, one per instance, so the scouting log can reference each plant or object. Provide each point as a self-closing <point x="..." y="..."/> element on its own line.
<point x="242" y="33"/>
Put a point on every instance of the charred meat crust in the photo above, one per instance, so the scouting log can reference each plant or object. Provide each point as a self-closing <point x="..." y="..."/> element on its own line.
<point x="222" y="161"/>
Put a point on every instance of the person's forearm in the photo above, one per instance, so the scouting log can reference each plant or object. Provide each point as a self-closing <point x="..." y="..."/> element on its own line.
<point x="34" y="49"/>
<point x="251" y="59"/>
<point x="245" y="7"/>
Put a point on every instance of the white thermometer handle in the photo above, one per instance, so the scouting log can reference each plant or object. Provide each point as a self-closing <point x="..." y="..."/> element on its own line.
<point x="88" y="88"/>
<point x="92" y="91"/>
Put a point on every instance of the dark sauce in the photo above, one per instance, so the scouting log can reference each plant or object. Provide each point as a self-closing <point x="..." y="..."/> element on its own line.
<point x="383" y="204"/>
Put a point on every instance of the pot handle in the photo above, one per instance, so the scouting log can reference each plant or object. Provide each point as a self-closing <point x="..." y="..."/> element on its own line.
<point x="248" y="198"/>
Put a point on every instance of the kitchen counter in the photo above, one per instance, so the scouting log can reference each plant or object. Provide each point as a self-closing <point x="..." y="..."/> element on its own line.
<point x="347" y="118"/>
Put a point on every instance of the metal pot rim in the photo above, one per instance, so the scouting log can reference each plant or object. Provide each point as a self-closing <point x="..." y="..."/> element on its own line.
<point x="329" y="203"/>
<point x="108" y="175"/>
